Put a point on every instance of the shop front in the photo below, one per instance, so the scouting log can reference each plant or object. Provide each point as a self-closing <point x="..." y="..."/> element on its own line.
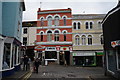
<point x="81" y="58"/>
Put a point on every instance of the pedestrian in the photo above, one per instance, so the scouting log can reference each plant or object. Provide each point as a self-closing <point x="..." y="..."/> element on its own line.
<point x="25" y="62"/>
<point x="36" y="65"/>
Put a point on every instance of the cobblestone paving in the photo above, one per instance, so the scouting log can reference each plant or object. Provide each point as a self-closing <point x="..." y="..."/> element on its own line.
<point x="70" y="72"/>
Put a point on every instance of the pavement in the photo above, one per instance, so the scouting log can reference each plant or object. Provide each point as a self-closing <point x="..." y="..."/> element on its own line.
<point x="60" y="72"/>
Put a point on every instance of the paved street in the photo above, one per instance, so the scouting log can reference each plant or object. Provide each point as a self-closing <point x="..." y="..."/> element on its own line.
<point x="71" y="72"/>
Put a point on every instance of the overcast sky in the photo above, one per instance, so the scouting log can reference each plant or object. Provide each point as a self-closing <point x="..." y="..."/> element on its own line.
<point x="77" y="6"/>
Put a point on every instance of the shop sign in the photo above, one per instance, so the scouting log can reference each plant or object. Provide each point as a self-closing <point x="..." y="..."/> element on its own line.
<point x="115" y="43"/>
<point x="50" y="49"/>
<point x="58" y="48"/>
<point x="64" y="48"/>
<point x="83" y="54"/>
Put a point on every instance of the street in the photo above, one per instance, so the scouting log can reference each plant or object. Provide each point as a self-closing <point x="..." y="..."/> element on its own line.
<point x="55" y="72"/>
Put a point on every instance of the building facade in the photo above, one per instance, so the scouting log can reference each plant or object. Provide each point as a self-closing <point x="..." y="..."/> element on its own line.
<point x="11" y="32"/>
<point x="87" y="39"/>
<point x="111" y="33"/>
<point x="54" y="35"/>
<point x="29" y="29"/>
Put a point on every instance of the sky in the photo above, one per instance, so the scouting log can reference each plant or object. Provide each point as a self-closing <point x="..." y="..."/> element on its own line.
<point x="77" y="6"/>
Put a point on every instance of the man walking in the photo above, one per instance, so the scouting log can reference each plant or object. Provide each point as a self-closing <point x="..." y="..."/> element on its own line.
<point x="25" y="62"/>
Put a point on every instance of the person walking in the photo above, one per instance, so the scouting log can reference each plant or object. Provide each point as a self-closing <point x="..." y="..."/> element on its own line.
<point x="25" y="62"/>
<point x="36" y="65"/>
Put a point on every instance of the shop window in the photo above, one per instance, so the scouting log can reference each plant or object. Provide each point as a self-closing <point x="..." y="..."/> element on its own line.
<point x="56" y="35"/>
<point x="25" y="30"/>
<point x="64" y="20"/>
<point x="89" y="40"/>
<point x="74" y="25"/>
<point x="49" y="21"/>
<point x="6" y="56"/>
<point x="56" y="21"/>
<point x="118" y="57"/>
<point x="78" y="25"/>
<point x="41" y="39"/>
<point x="15" y="56"/>
<point x="24" y="40"/>
<point x="50" y="55"/>
<point x="83" y="40"/>
<point x="42" y="22"/>
<point x="77" y="40"/>
<point x="49" y="36"/>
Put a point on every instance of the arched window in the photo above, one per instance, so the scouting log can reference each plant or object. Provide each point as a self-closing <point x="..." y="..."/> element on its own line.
<point x="89" y="40"/>
<point x="78" y="25"/>
<point x="77" y="40"/>
<point x="91" y="25"/>
<point x="87" y="26"/>
<point x="99" y="25"/>
<point x="101" y="39"/>
<point x="64" y="33"/>
<point x="56" y="35"/>
<point x="56" y="21"/>
<point x="83" y="40"/>
<point x="42" y="22"/>
<point x="74" y="25"/>
<point x="64" y="21"/>
<point x="41" y="35"/>
<point x="49" y="21"/>
<point x="49" y="36"/>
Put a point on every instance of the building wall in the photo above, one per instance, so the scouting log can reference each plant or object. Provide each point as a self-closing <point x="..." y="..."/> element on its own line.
<point x="13" y="17"/>
<point x="95" y="32"/>
<point x="0" y="17"/>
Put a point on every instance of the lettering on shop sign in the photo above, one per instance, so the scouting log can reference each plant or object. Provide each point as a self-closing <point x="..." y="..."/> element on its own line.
<point x="50" y="48"/>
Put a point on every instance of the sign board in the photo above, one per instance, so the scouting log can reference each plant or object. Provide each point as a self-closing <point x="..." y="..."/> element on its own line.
<point x="83" y="54"/>
<point x="50" y="49"/>
<point x="115" y="43"/>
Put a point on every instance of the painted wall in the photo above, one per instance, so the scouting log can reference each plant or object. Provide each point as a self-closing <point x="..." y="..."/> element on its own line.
<point x="12" y="19"/>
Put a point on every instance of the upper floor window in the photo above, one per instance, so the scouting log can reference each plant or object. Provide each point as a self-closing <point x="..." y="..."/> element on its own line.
<point x="49" y="36"/>
<point x="74" y="25"/>
<point x="89" y="25"/>
<point x="78" y="25"/>
<point x="99" y="25"/>
<point x="25" y="30"/>
<point x="56" y="35"/>
<point x="41" y="36"/>
<point x="49" y="21"/>
<point x="86" y="24"/>
<point x="77" y="40"/>
<point x="89" y="40"/>
<point x="64" y="33"/>
<point x="101" y="39"/>
<point x="24" y="40"/>
<point x="64" y="21"/>
<point x="83" y="40"/>
<point x="42" y="22"/>
<point x="56" y="22"/>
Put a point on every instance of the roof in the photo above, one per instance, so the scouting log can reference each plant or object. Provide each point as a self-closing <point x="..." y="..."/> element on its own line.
<point x="88" y="16"/>
<point x="39" y="10"/>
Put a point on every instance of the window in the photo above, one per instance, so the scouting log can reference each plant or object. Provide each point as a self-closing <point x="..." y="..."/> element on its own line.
<point x="77" y="40"/>
<point x="24" y="40"/>
<point x="49" y="36"/>
<point x="78" y="25"/>
<point x="64" y="33"/>
<point x="56" y="35"/>
<point x="86" y="25"/>
<point x="41" y="39"/>
<point x="42" y="22"/>
<point x="49" y="21"/>
<point x="25" y="30"/>
<point x="91" y="25"/>
<point x="99" y="25"/>
<point x="6" y="56"/>
<point x="56" y="22"/>
<point x="101" y="39"/>
<point x="64" y="20"/>
<point x="74" y="25"/>
<point x="89" y="40"/>
<point x="83" y="40"/>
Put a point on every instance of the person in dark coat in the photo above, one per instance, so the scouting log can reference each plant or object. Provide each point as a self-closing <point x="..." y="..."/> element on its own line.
<point x="25" y="62"/>
<point x="36" y="64"/>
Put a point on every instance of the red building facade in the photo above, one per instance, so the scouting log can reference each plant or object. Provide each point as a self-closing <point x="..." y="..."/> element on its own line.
<point x="54" y="35"/>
